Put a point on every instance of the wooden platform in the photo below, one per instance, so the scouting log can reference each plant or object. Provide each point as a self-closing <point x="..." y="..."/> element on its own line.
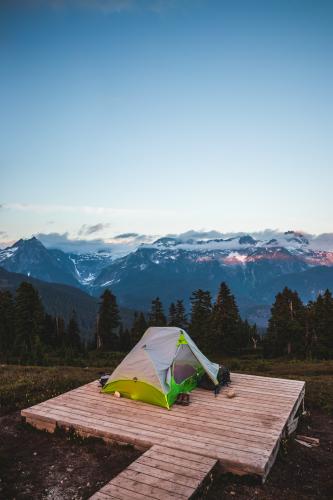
<point x="162" y="473"/>
<point x="243" y="433"/>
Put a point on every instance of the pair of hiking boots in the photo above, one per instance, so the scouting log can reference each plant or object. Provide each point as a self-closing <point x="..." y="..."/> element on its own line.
<point x="183" y="399"/>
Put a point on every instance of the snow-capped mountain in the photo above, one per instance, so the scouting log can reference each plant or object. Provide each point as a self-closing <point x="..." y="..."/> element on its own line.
<point x="89" y="265"/>
<point x="30" y="257"/>
<point x="172" y="267"/>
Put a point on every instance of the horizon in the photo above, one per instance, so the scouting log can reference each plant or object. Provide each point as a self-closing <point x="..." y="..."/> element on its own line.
<point x="125" y="243"/>
<point x="154" y="117"/>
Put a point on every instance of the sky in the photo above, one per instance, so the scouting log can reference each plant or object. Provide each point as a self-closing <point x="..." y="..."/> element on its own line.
<point x="160" y="116"/>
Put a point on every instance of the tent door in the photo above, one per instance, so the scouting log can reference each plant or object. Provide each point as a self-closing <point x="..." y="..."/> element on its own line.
<point x="185" y="364"/>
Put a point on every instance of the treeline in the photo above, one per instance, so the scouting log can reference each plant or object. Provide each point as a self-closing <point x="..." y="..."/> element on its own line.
<point x="27" y="331"/>
<point x="214" y="327"/>
<point x="296" y="330"/>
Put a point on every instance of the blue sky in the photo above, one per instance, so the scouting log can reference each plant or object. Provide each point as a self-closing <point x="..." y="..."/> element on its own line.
<point x="162" y="116"/>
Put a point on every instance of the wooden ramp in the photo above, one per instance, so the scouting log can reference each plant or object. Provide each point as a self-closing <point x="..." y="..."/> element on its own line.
<point x="162" y="473"/>
<point x="242" y="433"/>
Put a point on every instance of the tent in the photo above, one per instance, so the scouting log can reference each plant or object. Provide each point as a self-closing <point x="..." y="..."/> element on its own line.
<point x="164" y="363"/>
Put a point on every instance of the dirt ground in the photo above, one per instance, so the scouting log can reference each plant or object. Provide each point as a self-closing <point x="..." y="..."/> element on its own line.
<point x="298" y="473"/>
<point x="37" y="465"/>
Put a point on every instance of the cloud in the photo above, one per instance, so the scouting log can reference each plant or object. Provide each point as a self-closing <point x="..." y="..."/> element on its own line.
<point x="63" y="241"/>
<point x="3" y="234"/>
<point x="124" y="236"/>
<point x="86" y="230"/>
<point x="117" y="246"/>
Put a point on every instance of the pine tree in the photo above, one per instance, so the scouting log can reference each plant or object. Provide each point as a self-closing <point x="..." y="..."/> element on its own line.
<point x="29" y="323"/>
<point x="73" y="338"/>
<point x="60" y="329"/>
<point x="49" y="331"/>
<point x="138" y="328"/>
<point x="124" y="339"/>
<point x="228" y="333"/>
<point x="172" y="315"/>
<point x="286" y="333"/>
<point x="327" y="337"/>
<point x="108" y="322"/>
<point x="201" y="303"/>
<point x="7" y="324"/>
<point x="181" y="318"/>
<point x="156" y="316"/>
<point x="320" y="326"/>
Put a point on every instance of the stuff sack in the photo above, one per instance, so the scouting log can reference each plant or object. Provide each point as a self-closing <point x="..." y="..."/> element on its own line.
<point x="223" y="375"/>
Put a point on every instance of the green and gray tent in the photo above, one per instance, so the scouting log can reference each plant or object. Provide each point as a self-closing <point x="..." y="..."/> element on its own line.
<point x="164" y="363"/>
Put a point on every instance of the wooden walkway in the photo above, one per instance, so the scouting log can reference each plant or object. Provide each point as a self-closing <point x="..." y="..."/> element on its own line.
<point x="242" y="433"/>
<point x="161" y="473"/>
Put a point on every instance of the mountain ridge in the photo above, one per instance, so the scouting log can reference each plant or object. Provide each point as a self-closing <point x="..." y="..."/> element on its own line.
<point x="172" y="267"/>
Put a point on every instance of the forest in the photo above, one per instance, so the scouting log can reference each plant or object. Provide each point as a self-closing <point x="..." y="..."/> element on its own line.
<point x="29" y="335"/>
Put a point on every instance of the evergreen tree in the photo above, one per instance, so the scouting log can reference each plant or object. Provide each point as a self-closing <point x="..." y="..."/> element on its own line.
<point x="49" y="331"/>
<point x="108" y="322"/>
<point x="29" y="323"/>
<point x="60" y="332"/>
<point x="286" y="333"/>
<point x="73" y="338"/>
<point x="7" y="324"/>
<point x="177" y="315"/>
<point x="320" y="326"/>
<point x="327" y="335"/>
<point x="200" y="317"/>
<point x="156" y="316"/>
<point x="124" y="339"/>
<point x="172" y="315"/>
<point x="180" y="317"/>
<point x="138" y="328"/>
<point x="228" y="333"/>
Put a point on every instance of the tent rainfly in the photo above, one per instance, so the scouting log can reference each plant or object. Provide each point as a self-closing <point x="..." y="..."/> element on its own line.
<point x="164" y="363"/>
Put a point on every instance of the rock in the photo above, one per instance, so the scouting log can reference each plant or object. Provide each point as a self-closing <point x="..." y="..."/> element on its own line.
<point x="230" y="393"/>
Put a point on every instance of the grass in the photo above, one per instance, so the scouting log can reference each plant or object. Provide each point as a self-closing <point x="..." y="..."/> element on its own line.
<point x="23" y="386"/>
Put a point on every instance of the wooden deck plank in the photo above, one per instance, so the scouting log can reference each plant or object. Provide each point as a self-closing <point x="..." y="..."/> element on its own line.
<point x="163" y="484"/>
<point x="202" y="410"/>
<point x="243" y="433"/>
<point x="172" y="467"/>
<point x="225" y="450"/>
<point x="226" y="429"/>
<point x="149" y="478"/>
<point x="151" y="424"/>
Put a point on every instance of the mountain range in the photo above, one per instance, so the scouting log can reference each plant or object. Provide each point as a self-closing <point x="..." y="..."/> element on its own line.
<point x="172" y="267"/>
